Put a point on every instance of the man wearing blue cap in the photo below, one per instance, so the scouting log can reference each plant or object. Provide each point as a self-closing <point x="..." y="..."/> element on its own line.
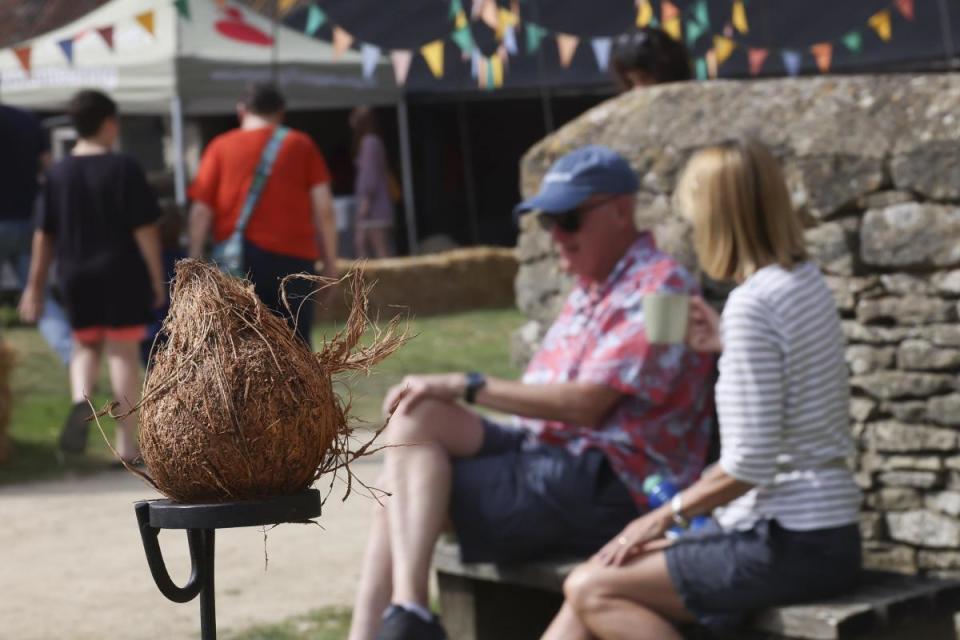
<point x="598" y="411"/>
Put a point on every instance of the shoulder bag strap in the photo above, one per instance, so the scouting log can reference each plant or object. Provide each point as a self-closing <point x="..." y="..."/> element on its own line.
<point x="264" y="168"/>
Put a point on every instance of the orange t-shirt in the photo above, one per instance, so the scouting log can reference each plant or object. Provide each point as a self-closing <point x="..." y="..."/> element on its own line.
<point x="282" y="221"/>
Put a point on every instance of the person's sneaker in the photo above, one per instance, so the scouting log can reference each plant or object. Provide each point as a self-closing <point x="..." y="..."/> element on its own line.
<point x="73" y="437"/>
<point x="402" y="624"/>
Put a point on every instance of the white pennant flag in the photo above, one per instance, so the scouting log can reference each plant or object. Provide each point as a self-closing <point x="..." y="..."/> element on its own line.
<point x="474" y="63"/>
<point x="601" y="49"/>
<point x="371" y="56"/>
<point x="510" y="40"/>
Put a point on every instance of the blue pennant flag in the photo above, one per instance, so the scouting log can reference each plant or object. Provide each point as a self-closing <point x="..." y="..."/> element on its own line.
<point x="67" y="47"/>
<point x="792" y="60"/>
<point x="601" y="49"/>
<point x="371" y="56"/>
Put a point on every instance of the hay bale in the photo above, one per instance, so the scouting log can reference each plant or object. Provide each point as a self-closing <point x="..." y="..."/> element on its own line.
<point x="7" y="359"/>
<point x="236" y="407"/>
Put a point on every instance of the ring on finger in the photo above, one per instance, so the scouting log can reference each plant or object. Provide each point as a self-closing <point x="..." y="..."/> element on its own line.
<point x="623" y="540"/>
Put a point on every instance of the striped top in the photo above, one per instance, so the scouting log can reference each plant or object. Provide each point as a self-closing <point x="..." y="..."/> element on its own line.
<point x="783" y="401"/>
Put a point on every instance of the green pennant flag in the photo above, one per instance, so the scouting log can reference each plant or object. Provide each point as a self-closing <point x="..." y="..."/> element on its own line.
<point x="694" y="31"/>
<point x="464" y="39"/>
<point x="535" y="35"/>
<point x="654" y="22"/>
<point x="853" y="41"/>
<point x="455" y="8"/>
<point x="491" y="83"/>
<point x="701" y="69"/>
<point x="315" y="19"/>
<point x="183" y="8"/>
<point x="702" y="14"/>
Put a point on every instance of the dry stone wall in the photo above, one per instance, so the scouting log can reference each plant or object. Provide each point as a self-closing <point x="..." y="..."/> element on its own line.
<point x="873" y="163"/>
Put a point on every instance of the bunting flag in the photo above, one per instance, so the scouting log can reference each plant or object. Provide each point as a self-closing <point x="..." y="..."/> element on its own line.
<point x="475" y="59"/>
<point x="464" y="39"/>
<point x="535" y="35"/>
<point x="107" y="34"/>
<point x="644" y="13"/>
<point x="370" y="56"/>
<point x="695" y="29"/>
<point x="456" y="8"/>
<point x="905" y="7"/>
<point x="670" y="16"/>
<point x="341" y="41"/>
<point x="880" y="22"/>
<point x="712" y="65"/>
<point x="495" y="72"/>
<point x="286" y="5"/>
<point x="401" y="64"/>
<point x="701" y="69"/>
<point x="315" y="19"/>
<point x="739" y="17"/>
<point x="23" y="55"/>
<point x="510" y="41"/>
<point x="757" y="57"/>
<point x="853" y="41"/>
<point x="724" y="47"/>
<point x="67" y="47"/>
<point x="791" y="61"/>
<point x="460" y="20"/>
<point x="823" y="54"/>
<point x="601" y="50"/>
<point x="506" y="19"/>
<point x="183" y="8"/>
<point x="433" y="54"/>
<point x="701" y="13"/>
<point x="482" y="75"/>
<point x="146" y="21"/>
<point x="567" y="46"/>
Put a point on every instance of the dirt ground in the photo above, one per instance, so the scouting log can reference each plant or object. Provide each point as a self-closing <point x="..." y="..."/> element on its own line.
<point x="72" y="565"/>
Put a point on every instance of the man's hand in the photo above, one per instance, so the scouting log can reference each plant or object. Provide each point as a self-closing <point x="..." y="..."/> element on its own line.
<point x="447" y="387"/>
<point x="703" y="327"/>
<point x="640" y="536"/>
<point x="159" y="294"/>
<point x="31" y="305"/>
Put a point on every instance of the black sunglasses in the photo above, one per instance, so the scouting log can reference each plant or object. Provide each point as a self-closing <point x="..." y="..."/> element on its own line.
<point x="569" y="221"/>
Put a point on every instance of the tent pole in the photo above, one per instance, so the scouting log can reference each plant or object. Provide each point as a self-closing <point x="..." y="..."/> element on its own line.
<point x="179" y="170"/>
<point x="471" y="187"/>
<point x="406" y="167"/>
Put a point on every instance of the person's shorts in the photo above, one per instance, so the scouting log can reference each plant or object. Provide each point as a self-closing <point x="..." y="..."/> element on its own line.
<point x="722" y="576"/>
<point x="513" y="504"/>
<point x="96" y="335"/>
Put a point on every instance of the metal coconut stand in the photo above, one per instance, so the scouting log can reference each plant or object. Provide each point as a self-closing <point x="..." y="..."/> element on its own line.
<point x="201" y="522"/>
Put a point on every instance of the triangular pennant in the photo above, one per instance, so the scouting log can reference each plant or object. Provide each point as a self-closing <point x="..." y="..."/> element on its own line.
<point x="464" y="39"/>
<point x="460" y="20"/>
<point x="823" y="54"/>
<point x="880" y="22"/>
<point x="495" y="71"/>
<point x="668" y="11"/>
<point x="701" y="13"/>
<point x="510" y="40"/>
<point x="23" y="55"/>
<point x="483" y="79"/>
<point x="506" y="19"/>
<point x="644" y="13"/>
<point x="905" y="7"/>
<point x="285" y="5"/>
<point x="475" y="59"/>
<point x="146" y="21"/>
<point x="739" y="17"/>
<point x="456" y="7"/>
<point x="791" y="61"/>
<point x="107" y="34"/>
<point x="601" y="50"/>
<point x="853" y="41"/>
<point x="724" y="47"/>
<point x="535" y="35"/>
<point x="670" y="16"/>
<point x="712" y="66"/>
<point x="756" y="57"/>
<point x="183" y="8"/>
<point x="315" y="19"/>
<point x="567" y="46"/>
<point x="694" y="31"/>
<point x="701" y="68"/>
<point x="401" y="64"/>
<point x="341" y="41"/>
<point x="433" y="54"/>
<point x="67" y="47"/>
<point x="370" y="56"/>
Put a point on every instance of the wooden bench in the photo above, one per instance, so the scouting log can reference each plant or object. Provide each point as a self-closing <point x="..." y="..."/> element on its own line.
<point x="516" y="602"/>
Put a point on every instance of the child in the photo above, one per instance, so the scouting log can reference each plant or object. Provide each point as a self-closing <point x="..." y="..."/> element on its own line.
<point x="98" y="219"/>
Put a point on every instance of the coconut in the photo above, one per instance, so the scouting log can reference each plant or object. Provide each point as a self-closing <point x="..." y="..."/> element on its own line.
<point x="235" y="405"/>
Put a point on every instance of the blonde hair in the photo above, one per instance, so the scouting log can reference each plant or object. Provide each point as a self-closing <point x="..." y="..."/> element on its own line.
<point x="735" y="196"/>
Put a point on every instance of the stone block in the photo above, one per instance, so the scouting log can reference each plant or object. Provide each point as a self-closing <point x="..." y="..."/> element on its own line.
<point x="938" y="560"/>
<point x="914" y="463"/>
<point x="856" y="332"/>
<point x="892" y="436"/>
<point x="871" y="525"/>
<point x="862" y="409"/>
<point x="843" y="296"/>
<point x="905" y="310"/>
<point x="888" y="385"/>
<point x="908" y="411"/>
<point x="916" y="479"/>
<point x="947" y="502"/>
<point x="924" y="528"/>
<point x="947" y="282"/>
<point x="903" y="284"/>
<point x="827" y="184"/>
<point x="945" y="409"/>
<point x="894" y="499"/>
<point x="911" y="234"/>
<point x="883" y="556"/>
<point x="933" y="171"/>
<point x="883" y="199"/>
<point x="920" y="355"/>
<point x="864" y="359"/>
<point x="832" y="247"/>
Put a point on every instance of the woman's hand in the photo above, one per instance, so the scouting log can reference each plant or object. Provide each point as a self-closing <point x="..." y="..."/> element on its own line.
<point x="31" y="305"/>
<point x="448" y="387"/>
<point x="703" y="327"/>
<point x="637" y="537"/>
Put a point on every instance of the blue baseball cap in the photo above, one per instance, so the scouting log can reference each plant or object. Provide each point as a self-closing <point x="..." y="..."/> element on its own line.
<point x="578" y="175"/>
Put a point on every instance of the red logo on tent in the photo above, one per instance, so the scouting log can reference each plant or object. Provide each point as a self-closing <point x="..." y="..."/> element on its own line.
<point x="234" y="27"/>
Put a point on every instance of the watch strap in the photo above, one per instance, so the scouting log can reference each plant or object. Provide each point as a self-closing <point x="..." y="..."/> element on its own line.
<point x="475" y="382"/>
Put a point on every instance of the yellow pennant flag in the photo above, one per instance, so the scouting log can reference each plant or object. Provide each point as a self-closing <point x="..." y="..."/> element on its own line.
<point x="670" y="16"/>
<point x="505" y="20"/>
<point x="644" y="13"/>
<point x="880" y="21"/>
<point x="460" y="21"/>
<point x="823" y="54"/>
<point x="286" y="5"/>
<point x="341" y="41"/>
<point x="567" y="46"/>
<point x="146" y="21"/>
<point x="723" y="47"/>
<point x="740" y="17"/>
<point x="433" y="54"/>
<point x="496" y="67"/>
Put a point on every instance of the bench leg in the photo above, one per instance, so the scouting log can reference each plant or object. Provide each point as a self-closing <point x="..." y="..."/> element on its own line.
<point x="458" y="606"/>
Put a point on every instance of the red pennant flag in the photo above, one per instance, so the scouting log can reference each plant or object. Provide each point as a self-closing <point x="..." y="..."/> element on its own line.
<point x="23" y="55"/>
<point x="905" y="7"/>
<point x="823" y="53"/>
<point x="757" y="57"/>
<point x="107" y="34"/>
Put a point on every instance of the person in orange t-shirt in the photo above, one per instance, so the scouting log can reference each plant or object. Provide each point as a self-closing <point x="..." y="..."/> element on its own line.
<point x="292" y="225"/>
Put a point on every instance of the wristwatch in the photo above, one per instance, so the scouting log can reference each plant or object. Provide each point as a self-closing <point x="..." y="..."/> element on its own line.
<point x="475" y="382"/>
<point x="676" y="512"/>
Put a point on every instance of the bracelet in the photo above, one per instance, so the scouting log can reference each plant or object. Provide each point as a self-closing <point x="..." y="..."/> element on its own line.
<point x="676" y="509"/>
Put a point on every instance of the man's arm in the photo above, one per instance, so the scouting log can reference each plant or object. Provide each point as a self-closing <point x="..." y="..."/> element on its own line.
<point x="31" y="302"/>
<point x="148" y="241"/>
<point x="201" y="217"/>
<point x="325" y="226"/>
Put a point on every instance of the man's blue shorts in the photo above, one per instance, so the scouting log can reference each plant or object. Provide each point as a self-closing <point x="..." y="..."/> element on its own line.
<point x="518" y="504"/>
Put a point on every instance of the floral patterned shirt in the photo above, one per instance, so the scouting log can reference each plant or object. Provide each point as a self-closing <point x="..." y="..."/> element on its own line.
<point x="662" y="424"/>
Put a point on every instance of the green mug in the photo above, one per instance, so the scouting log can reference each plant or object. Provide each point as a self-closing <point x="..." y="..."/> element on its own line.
<point x="665" y="317"/>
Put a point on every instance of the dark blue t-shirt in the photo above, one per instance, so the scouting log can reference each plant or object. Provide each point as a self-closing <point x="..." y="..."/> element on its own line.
<point x="23" y="142"/>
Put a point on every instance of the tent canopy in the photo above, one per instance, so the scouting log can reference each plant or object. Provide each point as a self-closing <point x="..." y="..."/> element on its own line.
<point x="147" y="52"/>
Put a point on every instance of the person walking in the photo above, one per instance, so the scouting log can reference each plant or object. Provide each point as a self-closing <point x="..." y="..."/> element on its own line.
<point x="373" y="222"/>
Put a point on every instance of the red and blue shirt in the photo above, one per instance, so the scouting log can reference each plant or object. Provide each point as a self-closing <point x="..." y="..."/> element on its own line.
<point x="662" y="424"/>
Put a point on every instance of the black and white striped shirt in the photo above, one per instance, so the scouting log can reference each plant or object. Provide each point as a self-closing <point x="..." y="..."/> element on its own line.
<point x="783" y="402"/>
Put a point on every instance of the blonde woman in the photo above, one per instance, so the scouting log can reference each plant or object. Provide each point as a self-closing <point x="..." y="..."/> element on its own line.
<point x="784" y="503"/>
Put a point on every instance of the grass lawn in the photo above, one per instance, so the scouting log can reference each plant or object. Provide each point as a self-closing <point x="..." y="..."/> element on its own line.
<point x="322" y="624"/>
<point x="475" y="340"/>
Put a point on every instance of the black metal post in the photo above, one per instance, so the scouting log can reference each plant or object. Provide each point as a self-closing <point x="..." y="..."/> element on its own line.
<point x="208" y="609"/>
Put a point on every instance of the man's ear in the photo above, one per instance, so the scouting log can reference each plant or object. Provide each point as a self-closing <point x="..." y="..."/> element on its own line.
<point x="625" y="208"/>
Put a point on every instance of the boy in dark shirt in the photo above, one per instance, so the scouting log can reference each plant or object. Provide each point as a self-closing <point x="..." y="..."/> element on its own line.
<point x="98" y="219"/>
